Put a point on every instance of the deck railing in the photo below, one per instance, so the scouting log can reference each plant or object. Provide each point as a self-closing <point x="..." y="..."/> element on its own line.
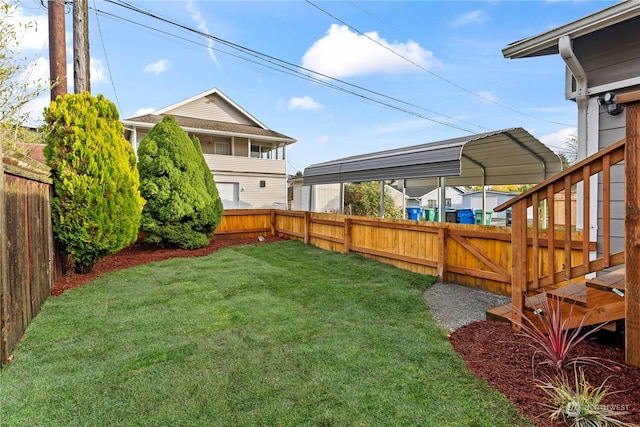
<point x="534" y="264"/>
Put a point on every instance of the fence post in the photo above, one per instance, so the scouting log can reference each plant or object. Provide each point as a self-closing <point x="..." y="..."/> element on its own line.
<point x="3" y="260"/>
<point x="273" y="222"/>
<point x="347" y="236"/>
<point x="307" y="220"/>
<point x="442" y="253"/>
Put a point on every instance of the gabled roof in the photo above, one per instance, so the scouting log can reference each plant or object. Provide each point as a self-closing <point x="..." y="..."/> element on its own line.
<point x="211" y="112"/>
<point x="511" y="156"/>
<point x="207" y="93"/>
<point x="547" y="43"/>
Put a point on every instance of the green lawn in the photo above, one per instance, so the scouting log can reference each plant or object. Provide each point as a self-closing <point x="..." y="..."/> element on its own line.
<point x="282" y="334"/>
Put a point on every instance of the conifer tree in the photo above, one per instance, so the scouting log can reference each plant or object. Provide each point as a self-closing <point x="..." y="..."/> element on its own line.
<point x="96" y="207"/>
<point x="183" y="205"/>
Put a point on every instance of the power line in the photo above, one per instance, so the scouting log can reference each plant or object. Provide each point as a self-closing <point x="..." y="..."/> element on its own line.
<point x="484" y="98"/>
<point x="106" y="58"/>
<point x="292" y="69"/>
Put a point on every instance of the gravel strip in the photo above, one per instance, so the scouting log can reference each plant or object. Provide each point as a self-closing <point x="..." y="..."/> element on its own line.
<point x="453" y="306"/>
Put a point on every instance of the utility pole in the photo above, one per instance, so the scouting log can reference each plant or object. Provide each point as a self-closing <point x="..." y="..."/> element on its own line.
<point x="57" y="49"/>
<point x="81" y="58"/>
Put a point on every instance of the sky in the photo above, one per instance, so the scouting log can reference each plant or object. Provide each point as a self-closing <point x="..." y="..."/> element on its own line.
<point x="342" y="78"/>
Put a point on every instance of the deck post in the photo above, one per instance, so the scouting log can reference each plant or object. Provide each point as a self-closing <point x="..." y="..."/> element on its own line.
<point x="632" y="230"/>
<point x="518" y="260"/>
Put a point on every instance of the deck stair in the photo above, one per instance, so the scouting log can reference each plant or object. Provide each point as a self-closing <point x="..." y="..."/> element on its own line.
<point x="597" y="300"/>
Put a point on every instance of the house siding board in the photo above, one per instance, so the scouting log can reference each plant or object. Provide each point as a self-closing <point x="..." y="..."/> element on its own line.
<point x="611" y="130"/>
<point x="235" y="164"/>
<point x="252" y="196"/>
<point x="612" y="55"/>
<point x="211" y="107"/>
<point x="241" y="147"/>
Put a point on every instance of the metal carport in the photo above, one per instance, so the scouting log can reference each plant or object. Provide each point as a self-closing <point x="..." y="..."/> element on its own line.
<point x="504" y="157"/>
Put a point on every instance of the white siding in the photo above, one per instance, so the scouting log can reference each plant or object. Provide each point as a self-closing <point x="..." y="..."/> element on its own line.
<point x="211" y="107"/>
<point x="236" y="164"/>
<point x="251" y="195"/>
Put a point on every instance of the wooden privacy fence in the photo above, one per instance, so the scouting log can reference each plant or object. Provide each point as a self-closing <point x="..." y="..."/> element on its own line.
<point x="31" y="261"/>
<point x="473" y="255"/>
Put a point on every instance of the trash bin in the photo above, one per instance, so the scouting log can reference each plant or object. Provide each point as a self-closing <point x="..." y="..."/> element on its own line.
<point x="487" y="217"/>
<point x="430" y="214"/>
<point x="451" y="216"/>
<point x="414" y="213"/>
<point x="466" y="216"/>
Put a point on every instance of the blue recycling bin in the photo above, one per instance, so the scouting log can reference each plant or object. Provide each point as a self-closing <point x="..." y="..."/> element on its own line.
<point x="414" y="213"/>
<point x="466" y="216"/>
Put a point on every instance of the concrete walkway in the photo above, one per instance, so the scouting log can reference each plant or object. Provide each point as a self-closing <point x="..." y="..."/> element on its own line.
<point x="453" y="306"/>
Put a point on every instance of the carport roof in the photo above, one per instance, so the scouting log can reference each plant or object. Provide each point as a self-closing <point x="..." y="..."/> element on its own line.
<point x="504" y="157"/>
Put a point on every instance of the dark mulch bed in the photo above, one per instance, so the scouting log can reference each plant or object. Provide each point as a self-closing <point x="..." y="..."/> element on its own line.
<point x="490" y="349"/>
<point x="507" y="362"/>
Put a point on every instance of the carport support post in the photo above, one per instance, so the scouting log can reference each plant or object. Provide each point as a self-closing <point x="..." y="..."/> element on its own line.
<point x="342" y="198"/>
<point x="381" y="199"/>
<point x="404" y="199"/>
<point x="442" y="195"/>
<point x="484" y="205"/>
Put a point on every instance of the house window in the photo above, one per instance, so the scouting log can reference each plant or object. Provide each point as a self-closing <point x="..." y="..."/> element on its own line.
<point x="447" y="202"/>
<point x="431" y="203"/>
<point x="222" y="148"/>
<point x="260" y="151"/>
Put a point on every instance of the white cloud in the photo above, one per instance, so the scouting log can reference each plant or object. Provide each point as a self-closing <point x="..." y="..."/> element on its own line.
<point x="158" y="67"/>
<point x="202" y="26"/>
<point x="304" y="103"/>
<point x="342" y="52"/>
<point x="144" y="111"/>
<point x="557" y="140"/>
<point x="475" y="17"/>
<point x="32" y="32"/>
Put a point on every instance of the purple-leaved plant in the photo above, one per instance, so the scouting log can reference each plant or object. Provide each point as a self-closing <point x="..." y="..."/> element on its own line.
<point x="552" y="336"/>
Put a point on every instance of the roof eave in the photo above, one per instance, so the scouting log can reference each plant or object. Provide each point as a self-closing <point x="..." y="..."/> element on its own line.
<point x="545" y="43"/>
<point x="147" y="125"/>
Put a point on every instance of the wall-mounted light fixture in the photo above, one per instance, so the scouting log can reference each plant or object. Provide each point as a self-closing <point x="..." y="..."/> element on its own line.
<point x="263" y="184"/>
<point x="609" y="99"/>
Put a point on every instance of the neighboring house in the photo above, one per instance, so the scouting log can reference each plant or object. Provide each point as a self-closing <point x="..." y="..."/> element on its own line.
<point x="246" y="158"/>
<point x="473" y="200"/>
<point x="602" y="56"/>
<point x="452" y="197"/>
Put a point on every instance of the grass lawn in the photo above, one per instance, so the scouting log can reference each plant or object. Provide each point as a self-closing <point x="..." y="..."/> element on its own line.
<point x="282" y="334"/>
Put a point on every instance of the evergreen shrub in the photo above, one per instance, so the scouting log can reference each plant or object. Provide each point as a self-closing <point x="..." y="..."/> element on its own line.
<point x="183" y="206"/>
<point x="97" y="205"/>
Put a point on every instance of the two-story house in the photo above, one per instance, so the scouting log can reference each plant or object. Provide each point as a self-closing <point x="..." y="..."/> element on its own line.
<point x="246" y="158"/>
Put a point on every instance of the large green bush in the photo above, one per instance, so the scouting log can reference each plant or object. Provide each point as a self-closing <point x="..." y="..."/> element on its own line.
<point x="183" y="205"/>
<point x="97" y="205"/>
<point x="363" y="199"/>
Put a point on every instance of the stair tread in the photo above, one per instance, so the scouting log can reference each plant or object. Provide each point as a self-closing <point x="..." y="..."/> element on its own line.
<point x="606" y="282"/>
<point x="574" y="292"/>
